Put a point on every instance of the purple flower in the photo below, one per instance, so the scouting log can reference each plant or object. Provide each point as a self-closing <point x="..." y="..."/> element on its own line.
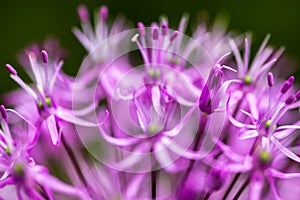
<point x="45" y="101"/>
<point x="19" y="169"/>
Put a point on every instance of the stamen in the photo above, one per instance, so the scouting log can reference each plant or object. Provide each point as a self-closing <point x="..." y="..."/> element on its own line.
<point x="298" y="95"/>
<point x="290" y="100"/>
<point x="270" y="79"/>
<point x="103" y="13"/>
<point x="164" y="29"/>
<point x="3" y="112"/>
<point x="45" y="61"/>
<point x="291" y="79"/>
<point x="44" y="56"/>
<point x="83" y="13"/>
<point x="144" y="54"/>
<point x="35" y="69"/>
<point x="155" y="33"/>
<point x="173" y="36"/>
<point x="141" y="28"/>
<point x="135" y="37"/>
<point x="286" y="86"/>
<point x="11" y="69"/>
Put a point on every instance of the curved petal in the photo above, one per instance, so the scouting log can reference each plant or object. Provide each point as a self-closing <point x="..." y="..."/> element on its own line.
<point x="173" y="132"/>
<point x="67" y="115"/>
<point x="135" y="156"/>
<point x="248" y="134"/>
<point x="51" y="124"/>
<point x="281" y="175"/>
<point x="183" y="152"/>
<point x="234" y="121"/>
<point x="228" y="152"/>
<point x="7" y="181"/>
<point x="285" y="150"/>
<point x="273" y="188"/>
<point x="256" y="186"/>
<point x="164" y="159"/>
<point x="118" y="141"/>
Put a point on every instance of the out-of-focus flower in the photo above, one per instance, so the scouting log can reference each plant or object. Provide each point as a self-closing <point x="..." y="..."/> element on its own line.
<point x="45" y="104"/>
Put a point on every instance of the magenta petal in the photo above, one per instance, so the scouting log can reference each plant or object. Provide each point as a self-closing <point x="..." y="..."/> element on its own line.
<point x="55" y="184"/>
<point x="51" y="123"/>
<point x="164" y="159"/>
<point x="69" y="117"/>
<point x="183" y="152"/>
<point x="7" y="181"/>
<point x="281" y="175"/>
<point x="118" y="141"/>
<point x="285" y="150"/>
<point x="248" y="134"/>
<point x="256" y="186"/>
<point x="273" y="188"/>
<point x="173" y="132"/>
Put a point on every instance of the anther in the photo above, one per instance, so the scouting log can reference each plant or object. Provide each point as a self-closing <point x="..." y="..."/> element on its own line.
<point x="103" y="13"/>
<point x="291" y="79"/>
<point x="3" y="112"/>
<point x="141" y="28"/>
<point x="290" y="100"/>
<point x="173" y="36"/>
<point x="44" y="56"/>
<point x="298" y="95"/>
<point x="164" y="29"/>
<point x="270" y="79"/>
<point x="11" y="69"/>
<point x="155" y="33"/>
<point x="83" y="13"/>
<point x="286" y="86"/>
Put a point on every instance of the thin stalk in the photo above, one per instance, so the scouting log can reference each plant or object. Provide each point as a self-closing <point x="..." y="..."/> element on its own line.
<point x="240" y="191"/>
<point x="153" y="184"/>
<point x="236" y="177"/>
<point x="73" y="160"/>
<point x="207" y="195"/>
<point x="197" y="142"/>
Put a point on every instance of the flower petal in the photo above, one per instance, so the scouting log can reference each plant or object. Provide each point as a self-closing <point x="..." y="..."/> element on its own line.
<point x="281" y="175"/>
<point x="256" y="186"/>
<point x="51" y="124"/>
<point x="285" y="150"/>
<point x="173" y="132"/>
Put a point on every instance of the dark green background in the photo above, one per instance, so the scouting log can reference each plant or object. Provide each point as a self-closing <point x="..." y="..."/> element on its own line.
<point x="25" y="21"/>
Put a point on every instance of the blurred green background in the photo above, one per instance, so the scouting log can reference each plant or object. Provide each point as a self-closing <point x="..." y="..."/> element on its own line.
<point x="23" y="22"/>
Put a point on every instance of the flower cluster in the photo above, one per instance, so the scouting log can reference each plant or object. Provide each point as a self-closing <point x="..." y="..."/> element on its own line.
<point x="197" y="118"/>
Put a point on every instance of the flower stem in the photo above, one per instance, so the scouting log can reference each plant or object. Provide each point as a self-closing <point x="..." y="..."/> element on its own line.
<point x="153" y="175"/>
<point x="207" y="195"/>
<point x="197" y="142"/>
<point x="73" y="160"/>
<point x="153" y="184"/>
<point x="240" y="191"/>
<point x="236" y="177"/>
